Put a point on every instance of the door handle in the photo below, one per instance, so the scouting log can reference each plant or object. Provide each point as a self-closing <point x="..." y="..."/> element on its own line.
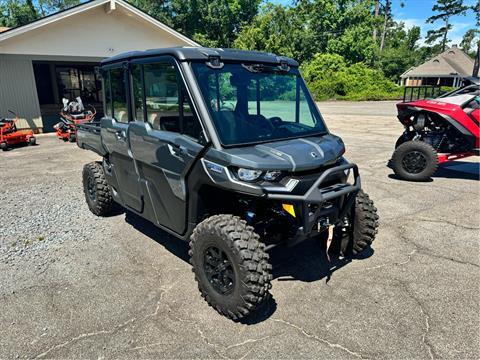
<point x="177" y="149"/>
<point x="120" y="135"/>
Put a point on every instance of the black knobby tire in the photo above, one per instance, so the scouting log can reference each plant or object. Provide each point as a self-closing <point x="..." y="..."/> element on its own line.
<point x="4" y="146"/>
<point x="401" y="140"/>
<point x="97" y="192"/>
<point x="72" y="138"/>
<point x="365" y="224"/>
<point x="247" y="262"/>
<point x="32" y="141"/>
<point x="414" y="161"/>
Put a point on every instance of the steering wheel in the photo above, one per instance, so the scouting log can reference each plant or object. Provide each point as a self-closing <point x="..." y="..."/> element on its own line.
<point x="276" y="121"/>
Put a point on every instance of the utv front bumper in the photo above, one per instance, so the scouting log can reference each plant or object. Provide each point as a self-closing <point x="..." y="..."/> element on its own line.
<point x="324" y="203"/>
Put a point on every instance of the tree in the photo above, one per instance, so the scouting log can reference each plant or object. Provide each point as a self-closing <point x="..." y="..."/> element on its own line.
<point x="218" y="21"/>
<point x="17" y="13"/>
<point x="351" y="36"/>
<point x="444" y="9"/>
<point x="400" y="51"/>
<point x="469" y="41"/>
<point x="387" y="16"/>
<point x="50" y="6"/>
<point x="376" y="13"/>
<point x="279" y="30"/>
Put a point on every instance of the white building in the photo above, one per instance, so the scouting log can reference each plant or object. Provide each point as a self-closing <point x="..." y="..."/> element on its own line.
<point x="55" y="56"/>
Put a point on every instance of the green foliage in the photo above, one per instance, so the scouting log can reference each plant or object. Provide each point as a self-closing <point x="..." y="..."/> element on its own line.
<point x="279" y="30"/>
<point x="470" y="41"/>
<point x="17" y="12"/>
<point x="444" y="10"/>
<point x="50" y="6"/>
<point x="330" y="77"/>
<point x="210" y="22"/>
<point x="349" y="48"/>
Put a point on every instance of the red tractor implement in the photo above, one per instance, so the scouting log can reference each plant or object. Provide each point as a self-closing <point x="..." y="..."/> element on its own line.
<point x="437" y="130"/>
<point x="10" y="135"/>
<point x="72" y="114"/>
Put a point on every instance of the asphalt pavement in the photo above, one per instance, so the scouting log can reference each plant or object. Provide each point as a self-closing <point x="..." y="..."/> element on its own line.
<point x="76" y="286"/>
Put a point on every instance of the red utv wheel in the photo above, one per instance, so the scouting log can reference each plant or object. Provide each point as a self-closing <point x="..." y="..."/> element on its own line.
<point x="414" y="161"/>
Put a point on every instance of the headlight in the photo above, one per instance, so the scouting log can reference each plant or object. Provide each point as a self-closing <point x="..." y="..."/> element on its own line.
<point x="248" y="174"/>
<point x="271" y="175"/>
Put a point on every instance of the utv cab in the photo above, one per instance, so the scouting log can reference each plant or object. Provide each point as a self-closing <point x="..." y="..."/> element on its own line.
<point x="225" y="149"/>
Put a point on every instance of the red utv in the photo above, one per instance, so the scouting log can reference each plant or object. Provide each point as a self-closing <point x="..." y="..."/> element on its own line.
<point x="10" y="135"/>
<point x="437" y="130"/>
<point x="72" y="114"/>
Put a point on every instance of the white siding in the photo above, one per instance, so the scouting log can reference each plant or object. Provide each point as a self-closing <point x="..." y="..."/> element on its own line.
<point x="18" y="91"/>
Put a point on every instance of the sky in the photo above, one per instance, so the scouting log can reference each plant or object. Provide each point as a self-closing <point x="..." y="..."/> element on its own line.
<point x="415" y="12"/>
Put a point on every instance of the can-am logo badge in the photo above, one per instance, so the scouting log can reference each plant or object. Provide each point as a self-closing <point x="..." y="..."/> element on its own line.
<point x="314" y="154"/>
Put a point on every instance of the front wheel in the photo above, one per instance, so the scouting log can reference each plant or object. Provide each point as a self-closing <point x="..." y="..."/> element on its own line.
<point x="231" y="266"/>
<point x="414" y="161"/>
<point x="97" y="192"/>
<point x="365" y="224"/>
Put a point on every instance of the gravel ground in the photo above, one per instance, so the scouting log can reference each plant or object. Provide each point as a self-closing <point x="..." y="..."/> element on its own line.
<point x="76" y="286"/>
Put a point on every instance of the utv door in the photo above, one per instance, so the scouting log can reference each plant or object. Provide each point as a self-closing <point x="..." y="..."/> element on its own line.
<point x="114" y="130"/>
<point x="163" y="139"/>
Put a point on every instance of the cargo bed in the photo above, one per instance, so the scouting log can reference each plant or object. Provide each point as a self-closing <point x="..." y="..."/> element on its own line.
<point x="89" y="138"/>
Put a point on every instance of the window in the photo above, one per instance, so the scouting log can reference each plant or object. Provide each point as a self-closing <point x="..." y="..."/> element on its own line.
<point x="191" y="125"/>
<point x="161" y="96"/>
<point x="119" y="96"/>
<point x="137" y="92"/>
<point x="108" y="95"/>
<point x="254" y="104"/>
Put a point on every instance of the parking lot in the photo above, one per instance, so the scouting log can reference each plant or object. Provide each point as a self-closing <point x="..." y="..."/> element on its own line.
<point x="76" y="286"/>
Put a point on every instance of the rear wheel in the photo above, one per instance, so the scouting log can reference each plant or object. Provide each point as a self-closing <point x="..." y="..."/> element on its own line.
<point x="32" y="141"/>
<point x="231" y="266"/>
<point x="4" y="146"/>
<point x="415" y="161"/>
<point x="97" y="192"/>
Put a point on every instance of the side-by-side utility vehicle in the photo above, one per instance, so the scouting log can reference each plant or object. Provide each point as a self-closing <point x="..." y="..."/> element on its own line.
<point x="437" y="130"/>
<point x="225" y="149"/>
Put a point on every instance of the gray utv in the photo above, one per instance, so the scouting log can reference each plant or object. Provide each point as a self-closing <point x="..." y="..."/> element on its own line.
<point x="225" y="149"/>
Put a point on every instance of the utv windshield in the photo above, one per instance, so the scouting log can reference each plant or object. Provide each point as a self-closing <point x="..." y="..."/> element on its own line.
<point x="258" y="103"/>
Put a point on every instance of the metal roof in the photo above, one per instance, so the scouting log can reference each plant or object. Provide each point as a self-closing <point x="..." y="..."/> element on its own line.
<point x="453" y="61"/>
<point x="203" y="54"/>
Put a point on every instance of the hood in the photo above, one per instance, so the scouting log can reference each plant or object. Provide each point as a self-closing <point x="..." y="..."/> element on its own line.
<point x="288" y="155"/>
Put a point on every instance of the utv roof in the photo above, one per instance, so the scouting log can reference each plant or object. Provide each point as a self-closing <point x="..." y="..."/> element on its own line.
<point x="204" y="54"/>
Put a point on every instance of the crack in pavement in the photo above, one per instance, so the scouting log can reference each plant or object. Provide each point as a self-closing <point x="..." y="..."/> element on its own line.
<point x="426" y="316"/>
<point x="428" y="252"/>
<point x="410" y="255"/>
<point x="324" y="341"/>
<point x="105" y="332"/>
<point x="443" y="221"/>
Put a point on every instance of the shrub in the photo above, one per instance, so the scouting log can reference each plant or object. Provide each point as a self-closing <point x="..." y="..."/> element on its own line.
<point x="329" y="77"/>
